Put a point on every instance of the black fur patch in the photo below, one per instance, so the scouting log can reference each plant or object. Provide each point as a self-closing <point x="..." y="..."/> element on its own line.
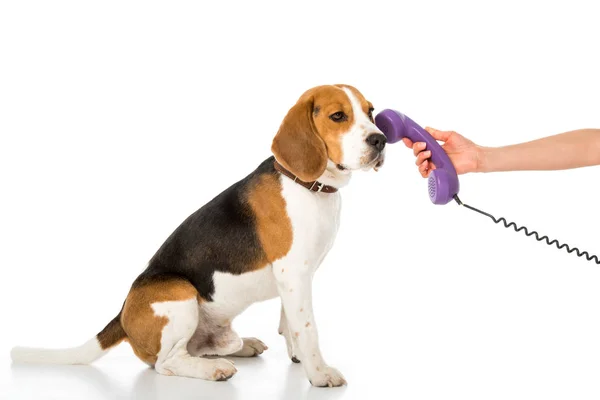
<point x="220" y="236"/>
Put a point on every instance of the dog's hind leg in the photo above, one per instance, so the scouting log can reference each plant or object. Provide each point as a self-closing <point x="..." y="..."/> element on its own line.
<point x="160" y="316"/>
<point x="217" y="338"/>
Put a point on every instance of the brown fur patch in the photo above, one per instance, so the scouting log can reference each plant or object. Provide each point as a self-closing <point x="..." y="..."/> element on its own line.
<point x="273" y="225"/>
<point x="143" y="327"/>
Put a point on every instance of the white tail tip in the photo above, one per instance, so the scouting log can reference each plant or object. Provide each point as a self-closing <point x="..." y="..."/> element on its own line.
<point x="83" y="354"/>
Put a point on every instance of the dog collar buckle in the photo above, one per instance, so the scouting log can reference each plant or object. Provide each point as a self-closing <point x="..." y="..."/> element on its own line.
<point x="319" y="186"/>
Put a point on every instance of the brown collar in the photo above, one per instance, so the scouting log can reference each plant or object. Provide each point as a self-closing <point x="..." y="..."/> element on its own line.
<point x="315" y="186"/>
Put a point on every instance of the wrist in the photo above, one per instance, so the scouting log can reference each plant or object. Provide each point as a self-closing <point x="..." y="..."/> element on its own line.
<point x="484" y="159"/>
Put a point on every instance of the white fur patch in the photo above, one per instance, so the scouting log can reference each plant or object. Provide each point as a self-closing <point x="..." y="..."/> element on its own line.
<point x="183" y="319"/>
<point x="234" y="293"/>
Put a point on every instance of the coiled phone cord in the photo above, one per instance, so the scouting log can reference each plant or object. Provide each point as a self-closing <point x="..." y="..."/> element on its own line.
<point x="537" y="236"/>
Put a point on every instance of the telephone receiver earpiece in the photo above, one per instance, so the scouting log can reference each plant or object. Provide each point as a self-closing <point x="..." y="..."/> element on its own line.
<point x="443" y="181"/>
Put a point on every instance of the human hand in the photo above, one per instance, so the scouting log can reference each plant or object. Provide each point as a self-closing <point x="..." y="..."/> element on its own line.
<point x="463" y="153"/>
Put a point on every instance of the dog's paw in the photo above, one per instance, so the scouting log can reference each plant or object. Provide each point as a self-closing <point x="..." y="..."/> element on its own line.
<point x="258" y="346"/>
<point x="327" y="376"/>
<point x="252" y="347"/>
<point x="222" y="370"/>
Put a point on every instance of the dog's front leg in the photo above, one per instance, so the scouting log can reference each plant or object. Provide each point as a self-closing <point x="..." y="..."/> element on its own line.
<point x="290" y="341"/>
<point x="295" y="288"/>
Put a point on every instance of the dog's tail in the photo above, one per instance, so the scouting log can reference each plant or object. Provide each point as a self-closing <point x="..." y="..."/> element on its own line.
<point x="88" y="352"/>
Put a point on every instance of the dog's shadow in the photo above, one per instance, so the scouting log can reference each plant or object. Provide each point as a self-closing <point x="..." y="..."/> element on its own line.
<point x="64" y="381"/>
<point x="256" y="378"/>
<point x="261" y="382"/>
<point x="152" y="386"/>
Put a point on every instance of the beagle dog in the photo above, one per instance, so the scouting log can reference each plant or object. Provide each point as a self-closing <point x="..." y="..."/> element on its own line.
<point x="263" y="237"/>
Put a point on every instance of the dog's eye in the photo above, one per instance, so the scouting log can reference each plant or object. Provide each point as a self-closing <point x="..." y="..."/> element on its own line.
<point x="371" y="113"/>
<point x="338" y="117"/>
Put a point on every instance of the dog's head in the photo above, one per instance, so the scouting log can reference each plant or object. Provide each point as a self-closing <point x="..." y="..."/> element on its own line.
<point x="329" y="123"/>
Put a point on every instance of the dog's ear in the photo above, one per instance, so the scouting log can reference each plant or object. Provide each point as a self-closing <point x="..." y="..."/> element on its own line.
<point x="297" y="145"/>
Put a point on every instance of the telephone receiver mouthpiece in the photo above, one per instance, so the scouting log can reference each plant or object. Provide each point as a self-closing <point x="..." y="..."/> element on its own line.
<point x="443" y="181"/>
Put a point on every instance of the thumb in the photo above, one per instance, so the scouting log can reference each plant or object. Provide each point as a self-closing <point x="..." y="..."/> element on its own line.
<point x="439" y="135"/>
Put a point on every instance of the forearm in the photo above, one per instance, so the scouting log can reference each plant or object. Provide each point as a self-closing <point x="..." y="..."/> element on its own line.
<point x="580" y="148"/>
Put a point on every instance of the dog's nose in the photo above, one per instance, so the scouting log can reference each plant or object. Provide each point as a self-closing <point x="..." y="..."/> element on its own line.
<point x="377" y="140"/>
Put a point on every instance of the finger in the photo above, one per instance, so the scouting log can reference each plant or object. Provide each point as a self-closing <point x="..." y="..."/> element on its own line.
<point x="424" y="169"/>
<point x="438" y="135"/>
<point x="422" y="157"/>
<point x="418" y="147"/>
<point x="407" y="142"/>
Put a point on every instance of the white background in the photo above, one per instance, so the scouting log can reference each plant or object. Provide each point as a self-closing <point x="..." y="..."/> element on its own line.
<point x="119" y="119"/>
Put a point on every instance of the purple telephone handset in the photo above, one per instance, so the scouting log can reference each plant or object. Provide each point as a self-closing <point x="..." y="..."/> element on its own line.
<point x="443" y="181"/>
